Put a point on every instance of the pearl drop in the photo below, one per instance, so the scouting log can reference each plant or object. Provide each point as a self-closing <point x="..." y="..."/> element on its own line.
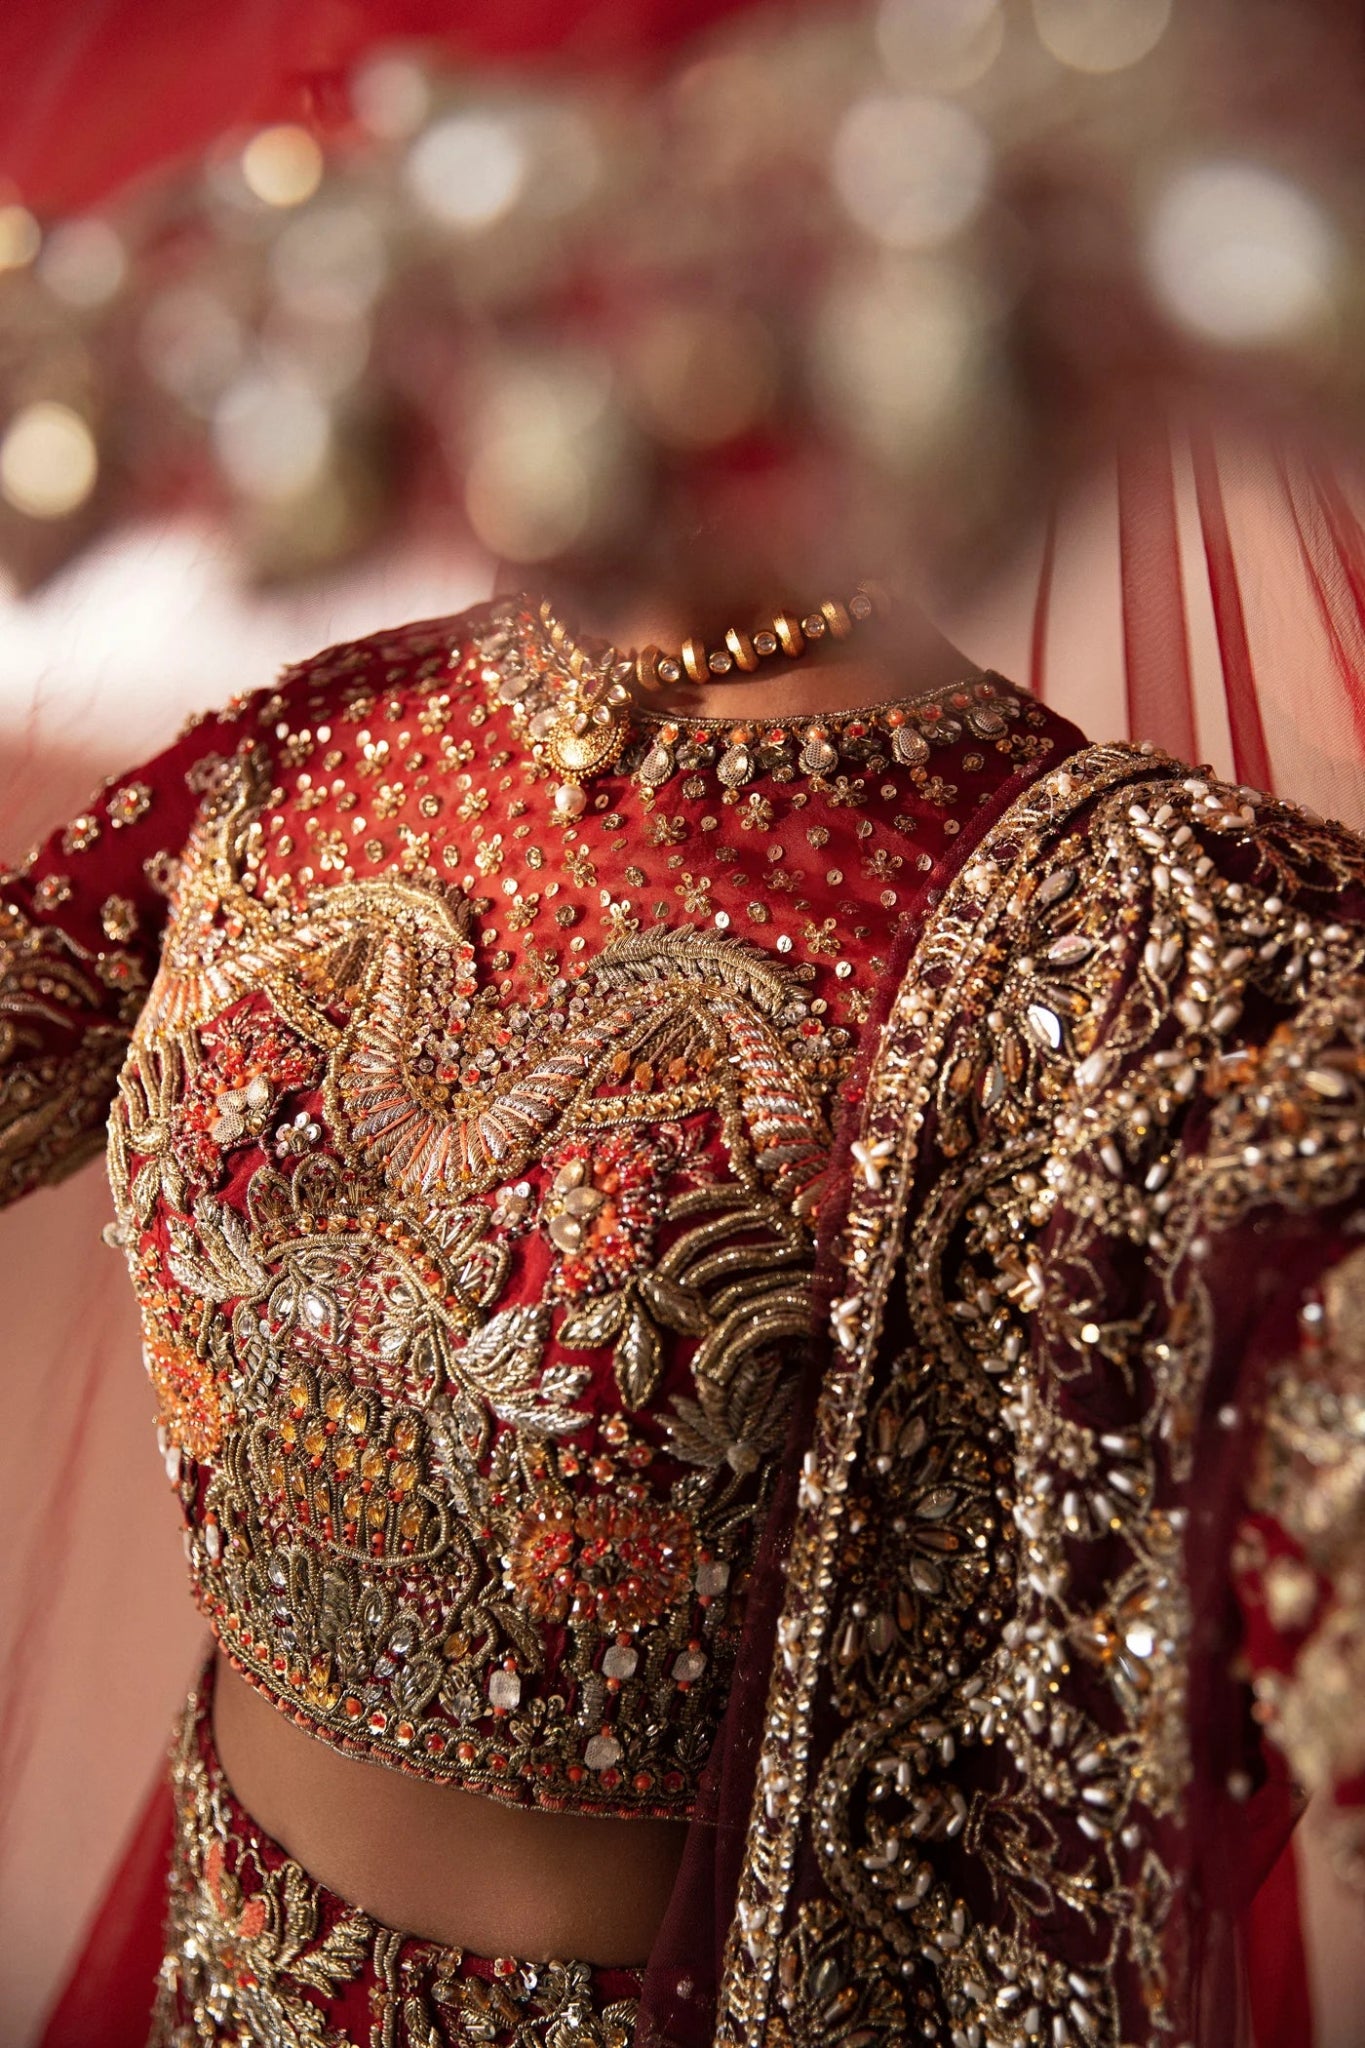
<point x="570" y="801"/>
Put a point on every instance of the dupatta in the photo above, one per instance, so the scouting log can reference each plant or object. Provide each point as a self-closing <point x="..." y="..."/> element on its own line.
<point x="1093" y="1366"/>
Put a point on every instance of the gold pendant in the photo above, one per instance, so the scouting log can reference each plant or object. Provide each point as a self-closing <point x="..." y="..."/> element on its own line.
<point x="582" y="743"/>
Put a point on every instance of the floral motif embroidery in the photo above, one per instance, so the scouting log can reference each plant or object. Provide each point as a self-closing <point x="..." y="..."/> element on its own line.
<point x="622" y="1563"/>
<point x="393" y="1476"/>
<point x="81" y="834"/>
<point x="53" y="891"/>
<point x="130" y="803"/>
<point x="246" y="1064"/>
<point x="118" y="916"/>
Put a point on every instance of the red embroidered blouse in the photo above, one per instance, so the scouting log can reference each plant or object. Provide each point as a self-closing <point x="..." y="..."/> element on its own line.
<point x="466" y="1159"/>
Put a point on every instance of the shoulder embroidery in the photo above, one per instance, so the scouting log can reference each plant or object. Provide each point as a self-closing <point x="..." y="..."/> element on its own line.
<point x="54" y="1096"/>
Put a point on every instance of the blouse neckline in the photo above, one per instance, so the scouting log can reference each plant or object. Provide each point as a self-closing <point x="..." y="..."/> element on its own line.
<point x="526" y="674"/>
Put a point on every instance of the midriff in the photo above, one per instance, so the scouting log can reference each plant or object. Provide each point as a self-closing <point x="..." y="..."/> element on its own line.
<point x="451" y="1866"/>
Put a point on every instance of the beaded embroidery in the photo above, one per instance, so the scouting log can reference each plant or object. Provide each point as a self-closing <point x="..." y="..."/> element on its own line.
<point x="523" y="672"/>
<point x="52" y="1102"/>
<point x="1134" y="1022"/>
<point x="474" y="1300"/>
<point x="258" y="1951"/>
<point x="392" y="1504"/>
<point x="469" y="1190"/>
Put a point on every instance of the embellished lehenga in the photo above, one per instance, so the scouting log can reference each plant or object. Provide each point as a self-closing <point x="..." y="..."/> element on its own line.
<point x="820" y="1298"/>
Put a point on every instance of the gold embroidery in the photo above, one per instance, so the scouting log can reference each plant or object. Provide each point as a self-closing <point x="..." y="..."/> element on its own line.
<point x="835" y="1987"/>
<point x="391" y="1478"/>
<point x="118" y="916"/>
<point x="128" y="804"/>
<point x="52" y="892"/>
<point x="81" y="833"/>
<point x="256" y="1950"/>
<point x="53" y="1103"/>
<point x="986" y="1585"/>
<point x="1311" y="1479"/>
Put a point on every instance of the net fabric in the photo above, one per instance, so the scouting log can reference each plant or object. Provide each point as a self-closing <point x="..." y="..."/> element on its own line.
<point x="1206" y="592"/>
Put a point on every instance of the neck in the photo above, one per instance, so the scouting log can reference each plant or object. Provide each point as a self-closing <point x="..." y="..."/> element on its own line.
<point x="902" y="655"/>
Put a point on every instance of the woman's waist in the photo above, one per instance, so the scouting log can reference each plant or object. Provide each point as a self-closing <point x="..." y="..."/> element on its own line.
<point x="440" y="1862"/>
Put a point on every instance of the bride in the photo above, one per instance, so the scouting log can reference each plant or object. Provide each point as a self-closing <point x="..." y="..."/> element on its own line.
<point x="748" y="1246"/>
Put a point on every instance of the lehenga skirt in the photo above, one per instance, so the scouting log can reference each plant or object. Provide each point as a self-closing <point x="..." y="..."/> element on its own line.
<point x="253" y="1950"/>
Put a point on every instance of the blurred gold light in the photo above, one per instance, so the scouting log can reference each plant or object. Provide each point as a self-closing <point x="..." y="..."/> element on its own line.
<point x="468" y="170"/>
<point x="939" y="45"/>
<point x="83" y="263"/>
<point x="392" y="96"/>
<point x="1240" y="255"/>
<point x="910" y="170"/>
<point x="48" y="461"/>
<point x="896" y="355"/>
<point x="283" y="166"/>
<point x="1100" y="35"/>
<point x="192" y="344"/>
<point x="330" y="356"/>
<point x="538" y="442"/>
<point x="563" y="160"/>
<point x="330" y="263"/>
<point x="20" y="237"/>
<point x="273" y="436"/>
<point x="526" y="500"/>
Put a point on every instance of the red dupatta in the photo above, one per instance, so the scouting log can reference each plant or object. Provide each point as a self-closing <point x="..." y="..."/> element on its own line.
<point x="1036" y="1803"/>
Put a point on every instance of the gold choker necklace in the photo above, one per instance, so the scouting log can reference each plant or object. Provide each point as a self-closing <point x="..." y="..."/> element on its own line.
<point x="590" y="728"/>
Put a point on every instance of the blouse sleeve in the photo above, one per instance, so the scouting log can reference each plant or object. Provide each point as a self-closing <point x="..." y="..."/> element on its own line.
<point x="81" y="922"/>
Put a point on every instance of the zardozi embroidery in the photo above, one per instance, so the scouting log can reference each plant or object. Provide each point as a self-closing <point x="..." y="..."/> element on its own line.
<point x="1125" y="1026"/>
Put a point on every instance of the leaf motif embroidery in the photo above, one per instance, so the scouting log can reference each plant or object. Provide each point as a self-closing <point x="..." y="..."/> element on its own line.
<point x="677" y="1308"/>
<point x="588" y="1328"/>
<point x="338" y="1957"/>
<point x="502" y="1361"/>
<point x="638" y="1360"/>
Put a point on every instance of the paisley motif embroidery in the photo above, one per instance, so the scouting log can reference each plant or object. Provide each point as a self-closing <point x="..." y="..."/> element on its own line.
<point x="472" y="1357"/>
<point x="1132" y="1020"/>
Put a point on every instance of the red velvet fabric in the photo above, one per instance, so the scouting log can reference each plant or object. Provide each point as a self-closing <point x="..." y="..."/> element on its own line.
<point x="117" y="1955"/>
<point x="683" y="1981"/>
<point x="779" y="857"/>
